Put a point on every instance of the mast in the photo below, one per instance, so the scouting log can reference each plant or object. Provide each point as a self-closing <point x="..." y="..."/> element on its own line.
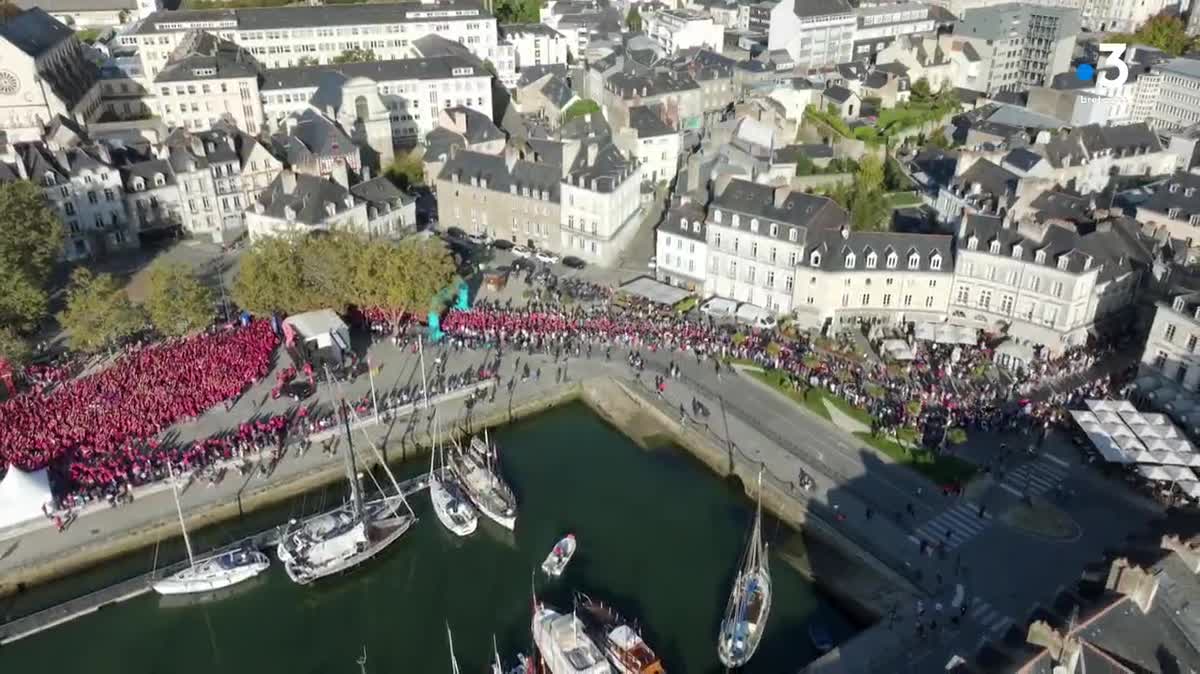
<point x="756" y="537"/>
<point x="496" y="655"/>
<point x="351" y="467"/>
<point x="187" y="542"/>
<point x="424" y="384"/>
<point x="453" y="660"/>
<point x="362" y="661"/>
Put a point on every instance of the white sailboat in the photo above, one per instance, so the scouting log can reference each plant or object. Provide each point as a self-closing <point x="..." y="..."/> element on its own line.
<point x="451" y="505"/>
<point x="564" y="644"/>
<point x="336" y="541"/>
<point x="209" y="573"/>
<point x="479" y="473"/>
<point x="749" y="602"/>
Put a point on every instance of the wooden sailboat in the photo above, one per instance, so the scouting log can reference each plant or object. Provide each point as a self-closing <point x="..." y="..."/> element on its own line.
<point x="620" y="641"/>
<point x="339" y="540"/>
<point x="749" y="604"/>
<point x="209" y="573"/>
<point x="478" y="471"/>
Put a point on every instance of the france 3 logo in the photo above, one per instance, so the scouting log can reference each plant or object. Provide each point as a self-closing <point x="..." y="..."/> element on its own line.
<point x="1112" y="52"/>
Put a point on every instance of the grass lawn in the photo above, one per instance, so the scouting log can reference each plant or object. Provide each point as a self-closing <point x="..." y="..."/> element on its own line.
<point x="902" y="199"/>
<point x="778" y="381"/>
<point x="940" y="469"/>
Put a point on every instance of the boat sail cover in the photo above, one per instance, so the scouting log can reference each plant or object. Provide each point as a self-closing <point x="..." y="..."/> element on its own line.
<point x="22" y="495"/>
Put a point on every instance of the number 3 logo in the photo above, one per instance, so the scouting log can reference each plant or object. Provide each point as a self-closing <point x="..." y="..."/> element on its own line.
<point x="1112" y="60"/>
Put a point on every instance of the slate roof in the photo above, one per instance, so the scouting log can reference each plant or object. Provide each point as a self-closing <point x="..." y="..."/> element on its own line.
<point x="426" y="68"/>
<point x="480" y="128"/>
<point x="308" y="200"/>
<point x="542" y="29"/>
<point x="306" y="16"/>
<point x="812" y="8"/>
<point x="381" y="192"/>
<point x="147" y="170"/>
<point x="531" y="74"/>
<point x="203" y="56"/>
<point x="630" y="85"/>
<point x="501" y="174"/>
<point x="648" y="123"/>
<point x="837" y="93"/>
<point x="992" y="178"/>
<point x="1022" y="159"/>
<point x="34" y="31"/>
<point x="558" y="91"/>
<point x="898" y="69"/>
<point x="314" y="135"/>
<point x="806" y="211"/>
<point x="585" y="126"/>
<point x="609" y="169"/>
<point x="1111" y="247"/>
<point x="836" y="245"/>
<point x="792" y="153"/>
<point x="693" y="213"/>
<point x="1182" y="191"/>
<point x="1084" y="142"/>
<point x="853" y="71"/>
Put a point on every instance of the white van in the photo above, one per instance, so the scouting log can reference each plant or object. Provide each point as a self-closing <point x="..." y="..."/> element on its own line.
<point x="719" y="307"/>
<point x="756" y="317"/>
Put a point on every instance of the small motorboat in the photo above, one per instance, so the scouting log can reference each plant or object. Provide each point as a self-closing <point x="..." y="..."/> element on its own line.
<point x="821" y="640"/>
<point x="556" y="562"/>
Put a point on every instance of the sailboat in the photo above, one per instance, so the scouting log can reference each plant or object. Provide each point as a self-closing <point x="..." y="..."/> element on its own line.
<point x="453" y="659"/>
<point x="478" y="471"/>
<point x="750" y="601"/>
<point x="209" y="573"/>
<point x="524" y="665"/>
<point x="564" y="644"/>
<point x="452" y="507"/>
<point x="336" y="541"/>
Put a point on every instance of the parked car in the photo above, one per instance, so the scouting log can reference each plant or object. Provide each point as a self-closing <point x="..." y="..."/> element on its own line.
<point x="456" y="233"/>
<point x="521" y="251"/>
<point x="546" y="256"/>
<point x="754" y="316"/>
<point x="573" y="262"/>
<point x="478" y="239"/>
<point x="719" y="307"/>
<point x="523" y="264"/>
<point x="502" y="244"/>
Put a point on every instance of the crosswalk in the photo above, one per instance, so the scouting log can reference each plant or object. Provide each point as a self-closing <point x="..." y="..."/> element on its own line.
<point x="953" y="527"/>
<point x="988" y="616"/>
<point x="1035" y="477"/>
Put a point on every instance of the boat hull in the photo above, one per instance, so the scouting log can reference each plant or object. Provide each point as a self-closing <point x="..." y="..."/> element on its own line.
<point x="741" y="634"/>
<point x="457" y="515"/>
<point x="210" y="575"/>
<point x="350" y="542"/>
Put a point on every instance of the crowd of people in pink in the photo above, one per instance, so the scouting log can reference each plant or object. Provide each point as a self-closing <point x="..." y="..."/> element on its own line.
<point x="95" y="430"/>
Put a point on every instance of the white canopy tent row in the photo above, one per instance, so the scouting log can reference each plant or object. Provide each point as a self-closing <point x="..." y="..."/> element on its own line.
<point x="1121" y="434"/>
<point x="22" y="496"/>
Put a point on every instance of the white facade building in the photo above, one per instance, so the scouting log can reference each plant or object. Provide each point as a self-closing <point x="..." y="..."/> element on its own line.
<point x="1120" y="16"/>
<point x="535" y="44"/>
<point x="653" y="143"/>
<point x="206" y="80"/>
<point x="1171" y="348"/>
<point x="676" y="29"/>
<point x="300" y="203"/>
<point x="815" y="34"/>
<point x="281" y="37"/>
<point x="681" y="248"/>
<point x="601" y="201"/>
<point x="879" y="26"/>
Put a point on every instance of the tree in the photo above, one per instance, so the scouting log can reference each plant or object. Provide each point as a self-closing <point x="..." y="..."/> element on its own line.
<point x="308" y="61"/>
<point x="1163" y="31"/>
<point x="406" y="170"/>
<point x="518" y="11"/>
<point x="805" y="166"/>
<point x="13" y="347"/>
<point x="31" y="240"/>
<point x="921" y="92"/>
<point x="269" y="278"/>
<point x="868" y="204"/>
<point x="327" y="267"/>
<point x="176" y="302"/>
<point x="355" y="55"/>
<point x="405" y="277"/>
<point x="633" y="20"/>
<point x="99" y="313"/>
<point x="580" y="108"/>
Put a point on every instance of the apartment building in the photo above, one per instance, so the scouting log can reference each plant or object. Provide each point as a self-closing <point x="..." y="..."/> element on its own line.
<point x="515" y="195"/>
<point x="1173" y="211"/>
<point x="535" y="44"/>
<point x="960" y="7"/>
<point x="1178" y="102"/>
<point x="93" y="13"/>
<point x="1079" y="103"/>
<point x="601" y="200"/>
<point x="681" y="245"/>
<point x="298" y="203"/>
<point x="1011" y="46"/>
<point x="1048" y="282"/>
<point x="1171" y="345"/>
<point x="676" y="29"/>
<point x="43" y="73"/>
<point x="815" y="33"/>
<point x="279" y="37"/>
<point x="882" y="25"/>
<point x="680" y="96"/>
<point x="652" y="142"/>
<point x="413" y="91"/>
<point x="1119" y="16"/>
<point x="207" y="79"/>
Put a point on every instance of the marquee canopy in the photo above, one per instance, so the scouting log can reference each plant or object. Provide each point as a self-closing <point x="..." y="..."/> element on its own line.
<point x="22" y="496"/>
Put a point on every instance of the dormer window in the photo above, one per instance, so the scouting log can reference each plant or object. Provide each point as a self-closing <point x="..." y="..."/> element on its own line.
<point x="774" y="229"/>
<point x="49" y="179"/>
<point x="914" y="261"/>
<point x="871" y="260"/>
<point x="1017" y="251"/>
<point x="892" y="259"/>
<point x="1173" y="188"/>
<point x="735" y="221"/>
<point x="138" y="185"/>
<point x="330" y="209"/>
<point x="1189" y="191"/>
<point x="1040" y="258"/>
<point x="754" y="225"/>
<point x="994" y="248"/>
<point x="1173" y="213"/>
<point x="717" y="215"/>
<point x="792" y="234"/>
<point x="1177" y="305"/>
<point x="1194" y="221"/>
<point x="683" y="224"/>
<point x="972" y="243"/>
<point x="159" y="180"/>
<point x="696" y="226"/>
<point x="849" y="260"/>
<point x="815" y="258"/>
<point x="935" y="262"/>
<point x="1063" y="261"/>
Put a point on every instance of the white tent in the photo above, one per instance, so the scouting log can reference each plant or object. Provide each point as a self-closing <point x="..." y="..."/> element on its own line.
<point x="898" y="349"/>
<point x="1098" y="406"/>
<point x="1155" y="473"/>
<point x="1191" y="489"/>
<point x="22" y="496"/>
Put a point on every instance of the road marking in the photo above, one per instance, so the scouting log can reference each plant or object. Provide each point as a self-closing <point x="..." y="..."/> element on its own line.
<point x="1002" y="625"/>
<point x="1014" y="492"/>
<point x="1055" y="459"/>
<point x="979" y="609"/>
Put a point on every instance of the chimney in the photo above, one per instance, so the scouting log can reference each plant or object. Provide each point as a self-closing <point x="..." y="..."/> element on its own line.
<point x="366" y="173"/>
<point x="721" y="183"/>
<point x="340" y="175"/>
<point x="287" y="180"/>
<point x="510" y="159"/>
<point x="1063" y="650"/>
<point x="693" y="173"/>
<point x="781" y="194"/>
<point x="845" y="232"/>
<point x="593" y="151"/>
<point x="1133" y="582"/>
<point x="289" y="125"/>
<point x="197" y="147"/>
<point x="1188" y="553"/>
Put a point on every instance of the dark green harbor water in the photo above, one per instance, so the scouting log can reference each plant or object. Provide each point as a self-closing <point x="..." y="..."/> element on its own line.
<point x="660" y="537"/>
